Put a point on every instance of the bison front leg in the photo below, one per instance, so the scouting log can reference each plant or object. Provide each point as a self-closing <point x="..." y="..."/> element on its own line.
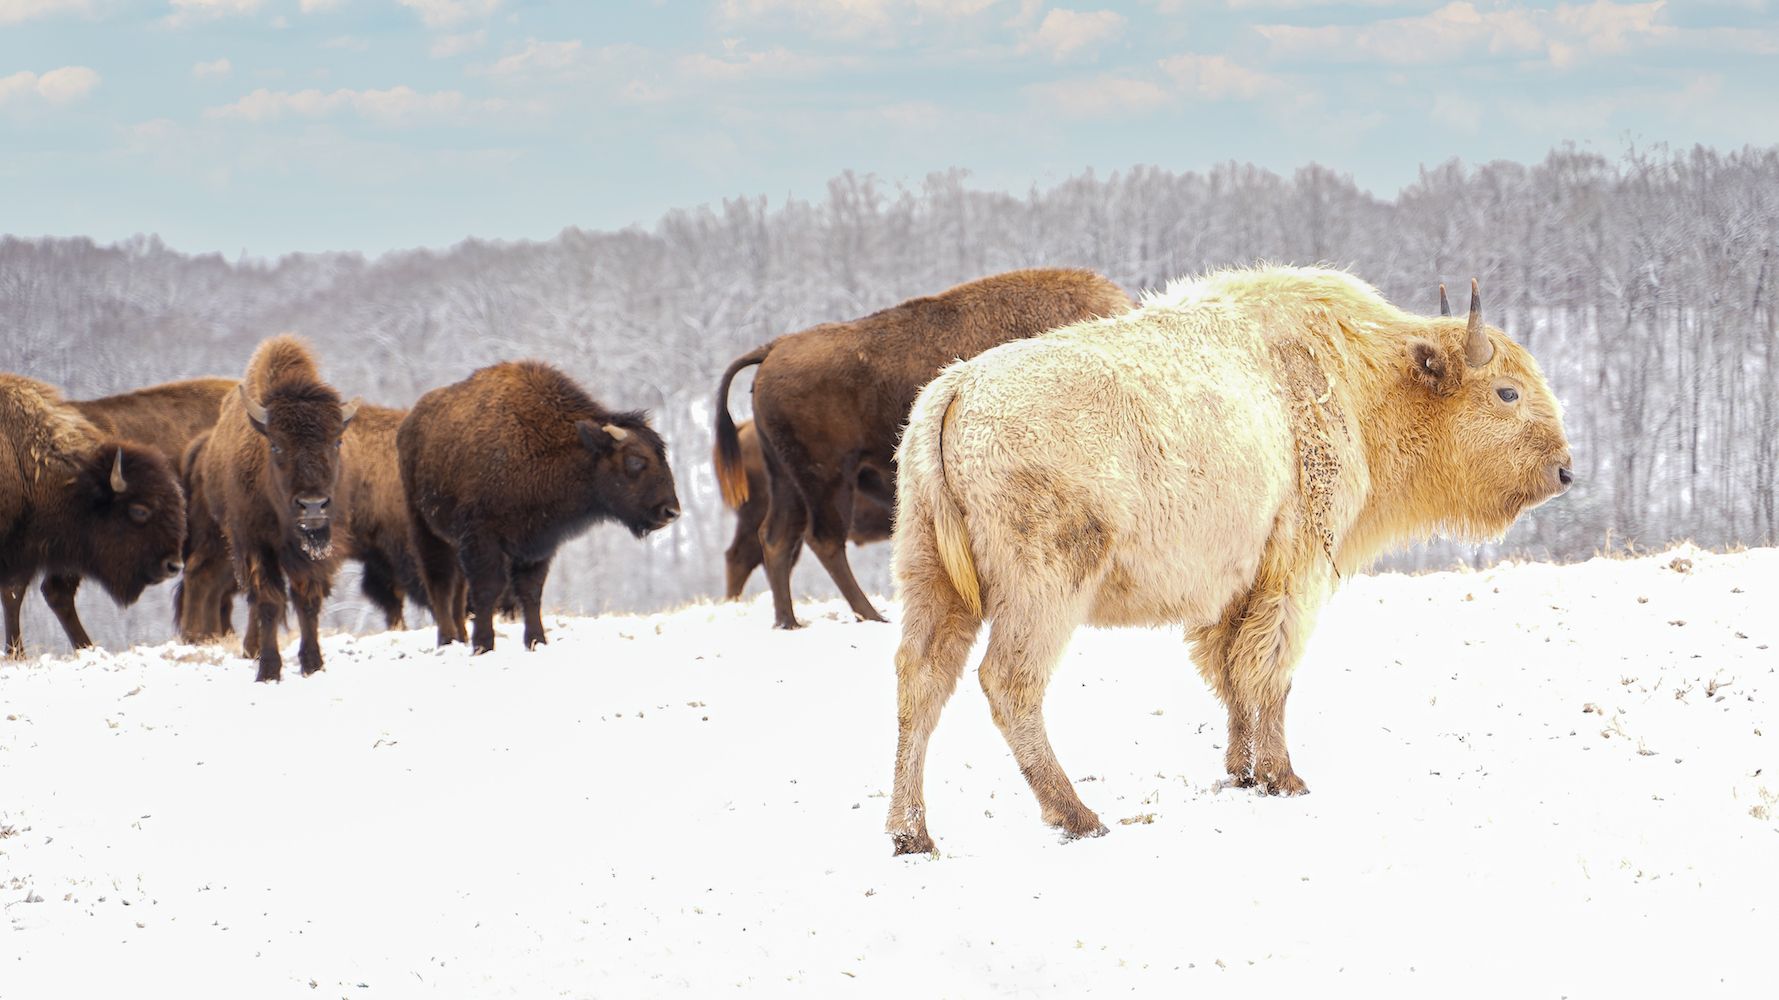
<point x="12" y="597"/>
<point x="58" y="592"/>
<point x="528" y="587"/>
<point x="308" y="592"/>
<point x="485" y="570"/>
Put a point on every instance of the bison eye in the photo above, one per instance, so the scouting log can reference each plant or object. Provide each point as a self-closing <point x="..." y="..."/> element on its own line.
<point x="276" y="450"/>
<point x="139" y="513"/>
<point x="1507" y="393"/>
<point x="337" y="444"/>
<point x="633" y="465"/>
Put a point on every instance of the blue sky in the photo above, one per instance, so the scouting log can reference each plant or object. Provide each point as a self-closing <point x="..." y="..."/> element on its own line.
<point x="266" y="126"/>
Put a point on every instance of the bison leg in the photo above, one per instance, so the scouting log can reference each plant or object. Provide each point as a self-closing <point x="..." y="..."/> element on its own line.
<point x="1272" y="760"/>
<point x="937" y="632"/>
<point x="745" y="552"/>
<point x="782" y="542"/>
<point x="1022" y="651"/>
<point x="58" y="592"/>
<point x="378" y="584"/>
<point x="484" y="568"/>
<point x="308" y="592"/>
<point x="1248" y="658"/>
<point x="528" y="587"/>
<point x="438" y="571"/>
<point x="12" y="597"/>
<point x="830" y="517"/>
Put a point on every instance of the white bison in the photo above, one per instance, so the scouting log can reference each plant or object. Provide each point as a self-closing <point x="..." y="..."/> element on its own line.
<point x="1218" y="458"/>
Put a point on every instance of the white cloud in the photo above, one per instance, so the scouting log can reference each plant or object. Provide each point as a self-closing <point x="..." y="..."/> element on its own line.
<point x="450" y="13"/>
<point x="319" y="6"/>
<point x="1457" y="29"/>
<point x="185" y="11"/>
<point x="1064" y="33"/>
<point x="15" y="11"/>
<point x="396" y="106"/>
<point x="1101" y="96"/>
<point x="537" y="58"/>
<point x="1216" y="78"/>
<point x="446" y="46"/>
<point x="58" y="86"/>
<point x="776" y="63"/>
<point x="216" y="67"/>
<point x="852" y="18"/>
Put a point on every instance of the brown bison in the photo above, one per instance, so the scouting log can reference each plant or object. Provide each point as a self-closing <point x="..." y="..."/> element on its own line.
<point x="502" y="468"/>
<point x="206" y="592"/>
<point x="271" y="472"/>
<point x="870" y="519"/>
<point x="377" y="528"/>
<point x="75" y="501"/>
<point x="1219" y="458"/>
<point x="163" y="417"/>
<point x="830" y="401"/>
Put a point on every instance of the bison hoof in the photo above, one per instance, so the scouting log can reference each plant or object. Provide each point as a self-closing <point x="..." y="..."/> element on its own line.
<point x="269" y="674"/>
<point x="534" y="641"/>
<point x="788" y="624"/>
<point x="480" y="648"/>
<point x="1286" y="784"/>
<point x="913" y="843"/>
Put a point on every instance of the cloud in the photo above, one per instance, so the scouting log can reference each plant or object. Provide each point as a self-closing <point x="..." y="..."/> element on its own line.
<point x="216" y="67"/>
<point x="446" y="46"/>
<point x="776" y="63"/>
<point x="851" y="19"/>
<point x="1558" y="35"/>
<point x="319" y="6"/>
<point x="450" y="13"/>
<point x="58" y="86"/>
<point x="186" y="11"/>
<point x="1064" y="33"/>
<point x="396" y="106"/>
<point x="1102" y="96"/>
<point x="1216" y="78"/>
<point x="15" y="11"/>
<point x="537" y="58"/>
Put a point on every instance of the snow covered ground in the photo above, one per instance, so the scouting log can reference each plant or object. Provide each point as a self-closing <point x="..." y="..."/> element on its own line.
<point x="1527" y="781"/>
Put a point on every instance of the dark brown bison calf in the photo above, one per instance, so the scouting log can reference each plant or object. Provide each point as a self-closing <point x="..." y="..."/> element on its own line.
<point x="272" y="471"/>
<point x="870" y="518"/>
<point x="830" y="401"/>
<point x="502" y="468"/>
<point x="77" y="502"/>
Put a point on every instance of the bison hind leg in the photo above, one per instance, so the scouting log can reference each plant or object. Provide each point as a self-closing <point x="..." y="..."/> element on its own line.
<point x="938" y="630"/>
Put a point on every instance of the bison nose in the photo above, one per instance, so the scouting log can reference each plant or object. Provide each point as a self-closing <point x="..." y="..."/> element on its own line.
<point x="312" y="512"/>
<point x="1565" y="477"/>
<point x="667" y="513"/>
<point x="171" y="568"/>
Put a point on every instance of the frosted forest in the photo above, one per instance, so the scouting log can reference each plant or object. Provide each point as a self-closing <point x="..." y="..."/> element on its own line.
<point x="1641" y="281"/>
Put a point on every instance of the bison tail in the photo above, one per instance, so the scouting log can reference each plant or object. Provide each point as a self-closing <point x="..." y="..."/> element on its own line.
<point x="951" y="535"/>
<point x="731" y="473"/>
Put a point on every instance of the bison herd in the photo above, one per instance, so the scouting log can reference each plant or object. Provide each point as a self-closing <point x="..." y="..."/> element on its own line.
<point x="1217" y="456"/>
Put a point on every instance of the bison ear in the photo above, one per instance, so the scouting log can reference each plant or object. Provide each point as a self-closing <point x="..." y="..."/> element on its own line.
<point x="1430" y="368"/>
<point x="256" y="414"/>
<point x="594" y="438"/>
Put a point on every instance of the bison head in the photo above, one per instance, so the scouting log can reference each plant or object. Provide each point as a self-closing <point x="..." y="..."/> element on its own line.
<point x="1495" y="431"/>
<point x="631" y="479"/>
<point x="133" y="519"/>
<point x="303" y="426"/>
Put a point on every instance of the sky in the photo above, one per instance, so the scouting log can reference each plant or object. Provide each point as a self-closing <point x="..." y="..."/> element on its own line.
<point x="261" y="127"/>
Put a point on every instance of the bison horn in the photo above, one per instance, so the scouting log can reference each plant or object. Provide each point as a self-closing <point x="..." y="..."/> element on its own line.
<point x="349" y="411"/>
<point x="255" y="412"/>
<point x="118" y="485"/>
<point x="617" y="433"/>
<point x="1477" y="349"/>
<point x="1445" y="307"/>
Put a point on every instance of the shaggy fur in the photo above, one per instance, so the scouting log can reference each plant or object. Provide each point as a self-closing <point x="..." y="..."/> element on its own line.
<point x="380" y="537"/>
<point x="166" y="418"/>
<point x="254" y="475"/>
<point x="206" y="593"/>
<point x="502" y="468"/>
<point x="1219" y="459"/>
<point x="870" y="518"/>
<point x="62" y="513"/>
<point x="830" y="401"/>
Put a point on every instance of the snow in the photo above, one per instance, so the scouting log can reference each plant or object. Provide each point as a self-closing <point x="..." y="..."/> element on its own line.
<point x="1529" y="780"/>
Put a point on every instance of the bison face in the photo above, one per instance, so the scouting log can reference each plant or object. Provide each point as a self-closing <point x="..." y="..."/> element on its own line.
<point x="303" y="429"/>
<point x="631" y="479"/>
<point x="1497" y="431"/>
<point x="134" y="519"/>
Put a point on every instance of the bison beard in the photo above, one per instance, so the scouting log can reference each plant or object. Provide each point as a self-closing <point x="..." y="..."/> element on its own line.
<point x="1220" y="458"/>
<point x="500" y="469"/>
